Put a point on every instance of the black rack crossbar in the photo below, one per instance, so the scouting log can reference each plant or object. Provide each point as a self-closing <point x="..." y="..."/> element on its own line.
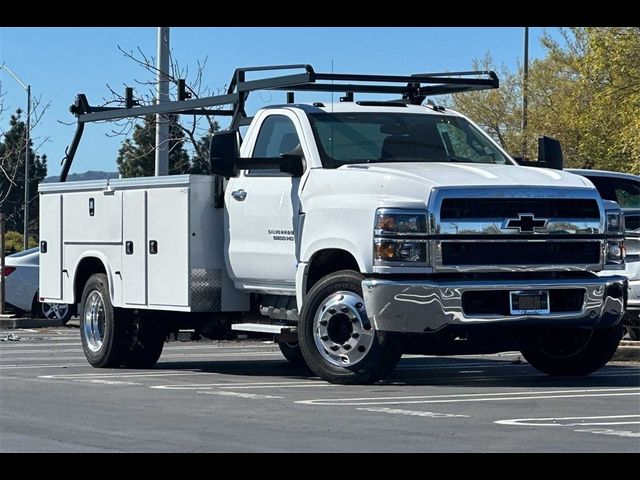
<point x="413" y="89"/>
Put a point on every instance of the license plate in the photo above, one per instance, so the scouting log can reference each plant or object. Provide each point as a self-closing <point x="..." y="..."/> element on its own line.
<point x="529" y="302"/>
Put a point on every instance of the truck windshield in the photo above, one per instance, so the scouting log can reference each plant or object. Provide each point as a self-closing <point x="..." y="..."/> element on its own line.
<point x="374" y="137"/>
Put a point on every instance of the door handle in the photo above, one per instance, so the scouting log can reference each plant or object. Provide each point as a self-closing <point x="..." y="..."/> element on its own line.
<point x="239" y="195"/>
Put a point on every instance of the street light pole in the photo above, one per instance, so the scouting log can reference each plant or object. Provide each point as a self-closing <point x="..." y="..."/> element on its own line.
<point x="26" y="170"/>
<point x="27" y="140"/>
<point x="525" y="80"/>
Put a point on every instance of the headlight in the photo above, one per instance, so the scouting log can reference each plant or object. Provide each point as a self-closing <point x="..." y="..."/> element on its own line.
<point x="615" y="252"/>
<point x="400" y="222"/>
<point x="615" y="222"/>
<point x="397" y="241"/>
<point x="614" y="246"/>
<point x="399" y="252"/>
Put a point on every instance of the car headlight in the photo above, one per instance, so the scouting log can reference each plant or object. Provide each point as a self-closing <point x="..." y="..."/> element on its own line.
<point x="614" y="246"/>
<point x="400" y="222"/>
<point x="615" y="222"/>
<point x="400" y="251"/>
<point x="397" y="239"/>
<point x="615" y="251"/>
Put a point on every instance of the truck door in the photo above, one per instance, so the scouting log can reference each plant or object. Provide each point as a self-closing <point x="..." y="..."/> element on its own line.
<point x="263" y="213"/>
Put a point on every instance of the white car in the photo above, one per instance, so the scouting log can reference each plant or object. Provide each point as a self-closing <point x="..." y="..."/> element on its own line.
<point x="21" y="288"/>
<point x="624" y="188"/>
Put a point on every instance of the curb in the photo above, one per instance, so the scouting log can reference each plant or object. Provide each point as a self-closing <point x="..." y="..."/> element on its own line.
<point x="9" y="323"/>
<point x="628" y="351"/>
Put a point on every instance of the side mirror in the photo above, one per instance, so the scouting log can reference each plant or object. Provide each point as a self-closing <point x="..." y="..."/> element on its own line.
<point x="224" y="153"/>
<point x="293" y="162"/>
<point x="550" y="153"/>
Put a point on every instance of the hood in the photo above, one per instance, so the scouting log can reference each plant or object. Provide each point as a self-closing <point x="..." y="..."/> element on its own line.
<point x="467" y="174"/>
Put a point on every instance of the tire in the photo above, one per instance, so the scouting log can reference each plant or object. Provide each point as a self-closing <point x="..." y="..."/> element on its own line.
<point x="104" y="330"/>
<point x="333" y="317"/>
<point x="148" y="337"/>
<point x="631" y="321"/>
<point x="575" y="352"/>
<point x="292" y="352"/>
<point x="634" y="332"/>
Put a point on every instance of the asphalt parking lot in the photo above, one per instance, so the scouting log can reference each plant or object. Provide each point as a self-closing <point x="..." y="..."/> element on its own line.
<point x="245" y="397"/>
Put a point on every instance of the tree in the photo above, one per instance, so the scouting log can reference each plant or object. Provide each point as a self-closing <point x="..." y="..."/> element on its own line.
<point x="200" y="161"/>
<point x="497" y="110"/>
<point x="196" y="130"/>
<point x="13" y="241"/>
<point x="12" y="158"/>
<point x="585" y="92"/>
<point x="136" y="157"/>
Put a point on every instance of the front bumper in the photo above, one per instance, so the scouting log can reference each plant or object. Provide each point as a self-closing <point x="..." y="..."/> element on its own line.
<point x="418" y="306"/>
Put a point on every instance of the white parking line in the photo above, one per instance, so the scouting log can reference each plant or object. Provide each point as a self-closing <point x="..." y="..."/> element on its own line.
<point x="121" y="375"/>
<point x="253" y="396"/>
<point x="411" y="413"/>
<point x="448" y="366"/>
<point x="101" y="381"/>
<point x="570" y="421"/>
<point x="163" y="357"/>
<point x="61" y="343"/>
<point x="474" y="397"/>
<point x="3" y="353"/>
<point x="246" y="385"/>
<point x="43" y="365"/>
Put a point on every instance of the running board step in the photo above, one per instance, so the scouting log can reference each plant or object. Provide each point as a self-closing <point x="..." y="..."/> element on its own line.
<point x="263" y="328"/>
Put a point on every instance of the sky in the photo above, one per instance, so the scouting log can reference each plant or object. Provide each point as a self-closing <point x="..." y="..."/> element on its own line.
<point x="60" y="62"/>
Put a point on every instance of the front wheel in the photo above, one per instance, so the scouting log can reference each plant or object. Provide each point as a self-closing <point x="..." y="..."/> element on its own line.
<point x="336" y="338"/>
<point x="575" y="351"/>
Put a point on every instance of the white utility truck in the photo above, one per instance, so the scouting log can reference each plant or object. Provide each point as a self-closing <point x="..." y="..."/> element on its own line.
<point x="353" y="232"/>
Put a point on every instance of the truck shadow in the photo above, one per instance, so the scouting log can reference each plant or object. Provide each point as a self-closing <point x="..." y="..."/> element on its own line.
<point x="475" y="372"/>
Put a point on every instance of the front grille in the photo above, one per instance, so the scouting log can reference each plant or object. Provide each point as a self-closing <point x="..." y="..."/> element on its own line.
<point x="520" y="253"/>
<point x="496" y="302"/>
<point x="467" y="208"/>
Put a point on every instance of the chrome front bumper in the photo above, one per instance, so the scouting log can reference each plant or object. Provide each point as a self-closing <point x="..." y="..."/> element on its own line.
<point x="423" y="306"/>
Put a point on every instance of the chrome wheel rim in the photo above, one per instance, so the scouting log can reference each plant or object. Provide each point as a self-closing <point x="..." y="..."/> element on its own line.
<point x="341" y="329"/>
<point x="55" y="311"/>
<point x="94" y="320"/>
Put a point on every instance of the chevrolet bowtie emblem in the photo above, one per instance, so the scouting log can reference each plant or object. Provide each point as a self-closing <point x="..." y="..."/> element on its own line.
<point x="526" y="222"/>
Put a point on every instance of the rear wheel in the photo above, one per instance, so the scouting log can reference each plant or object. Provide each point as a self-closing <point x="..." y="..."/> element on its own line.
<point x="148" y="337"/>
<point x="575" y="351"/>
<point x="336" y="338"/>
<point x="292" y="352"/>
<point x="104" y="330"/>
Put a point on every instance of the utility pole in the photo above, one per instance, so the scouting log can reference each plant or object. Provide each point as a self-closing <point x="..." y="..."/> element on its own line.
<point x="162" y="121"/>
<point x="525" y="80"/>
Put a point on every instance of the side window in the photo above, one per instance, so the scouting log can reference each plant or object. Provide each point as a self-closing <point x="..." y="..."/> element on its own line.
<point x="277" y="136"/>
<point x="628" y="194"/>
